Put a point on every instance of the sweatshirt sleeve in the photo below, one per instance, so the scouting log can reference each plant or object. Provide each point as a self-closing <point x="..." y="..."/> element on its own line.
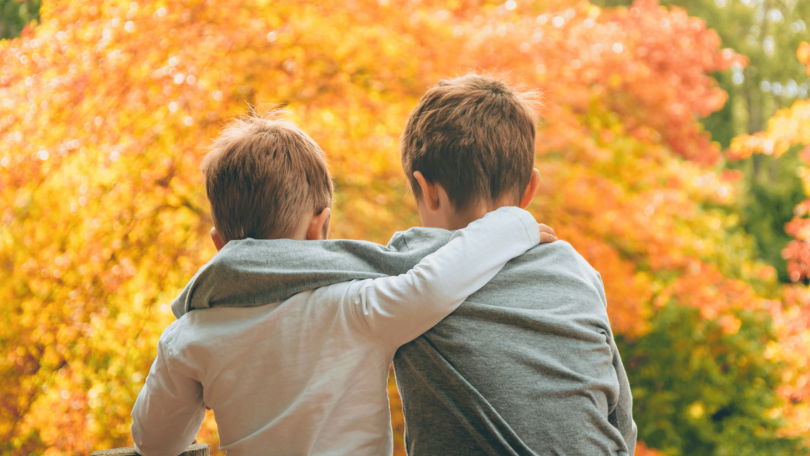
<point x="622" y="415"/>
<point x="169" y="410"/>
<point x="395" y="310"/>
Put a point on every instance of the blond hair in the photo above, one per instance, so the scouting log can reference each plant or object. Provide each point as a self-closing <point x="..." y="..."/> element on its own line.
<point x="263" y="175"/>
<point x="475" y="136"/>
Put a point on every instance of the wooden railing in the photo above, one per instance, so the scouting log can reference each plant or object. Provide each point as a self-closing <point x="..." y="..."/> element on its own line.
<point x="197" y="449"/>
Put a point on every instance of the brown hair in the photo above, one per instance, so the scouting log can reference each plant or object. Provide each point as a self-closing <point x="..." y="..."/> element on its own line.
<point x="475" y="136"/>
<point x="262" y="176"/>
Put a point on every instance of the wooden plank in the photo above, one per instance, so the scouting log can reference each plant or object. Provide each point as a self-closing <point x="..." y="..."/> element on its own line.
<point x="197" y="449"/>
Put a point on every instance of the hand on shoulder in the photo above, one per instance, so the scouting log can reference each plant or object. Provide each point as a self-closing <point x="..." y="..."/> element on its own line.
<point x="546" y="234"/>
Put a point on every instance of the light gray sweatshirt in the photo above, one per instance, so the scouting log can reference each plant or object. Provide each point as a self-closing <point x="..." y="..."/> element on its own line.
<point x="525" y="366"/>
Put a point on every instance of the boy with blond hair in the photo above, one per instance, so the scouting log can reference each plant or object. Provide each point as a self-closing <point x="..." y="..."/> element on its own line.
<point x="305" y="373"/>
<point x="527" y="365"/>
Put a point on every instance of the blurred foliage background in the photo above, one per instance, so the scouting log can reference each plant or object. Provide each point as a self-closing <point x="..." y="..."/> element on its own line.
<point x="674" y="154"/>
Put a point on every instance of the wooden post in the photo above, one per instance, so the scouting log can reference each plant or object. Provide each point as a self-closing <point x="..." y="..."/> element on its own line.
<point x="197" y="449"/>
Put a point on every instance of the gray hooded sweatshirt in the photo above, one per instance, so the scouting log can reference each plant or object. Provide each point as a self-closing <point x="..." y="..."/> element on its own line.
<point x="525" y="366"/>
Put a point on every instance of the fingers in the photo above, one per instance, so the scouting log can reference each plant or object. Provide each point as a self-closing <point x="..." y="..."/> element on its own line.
<point x="546" y="234"/>
<point x="546" y="238"/>
<point x="545" y="229"/>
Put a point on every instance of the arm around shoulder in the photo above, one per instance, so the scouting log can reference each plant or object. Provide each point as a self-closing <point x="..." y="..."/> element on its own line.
<point x="395" y="310"/>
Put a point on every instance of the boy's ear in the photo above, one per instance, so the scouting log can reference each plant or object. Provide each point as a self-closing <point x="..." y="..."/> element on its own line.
<point x="531" y="190"/>
<point x="319" y="225"/>
<point x="429" y="192"/>
<point x="218" y="243"/>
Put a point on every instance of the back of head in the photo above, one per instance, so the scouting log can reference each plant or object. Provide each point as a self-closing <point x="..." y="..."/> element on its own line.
<point x="475" y="136"/>
<point x="263" y="176"/>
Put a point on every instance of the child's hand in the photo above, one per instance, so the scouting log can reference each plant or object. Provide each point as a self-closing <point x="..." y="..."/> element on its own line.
<point x="546" y="234"/>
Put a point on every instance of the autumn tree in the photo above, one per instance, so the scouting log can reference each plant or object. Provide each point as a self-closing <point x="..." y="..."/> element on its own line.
<point x="107" y="109"/>
<point x="768" y="33"/>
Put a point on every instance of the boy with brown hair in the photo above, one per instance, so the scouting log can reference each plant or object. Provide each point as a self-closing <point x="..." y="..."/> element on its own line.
<point x="263" y="176"/>
<point x="527" y="365"/>
<point x="306" y="373"/>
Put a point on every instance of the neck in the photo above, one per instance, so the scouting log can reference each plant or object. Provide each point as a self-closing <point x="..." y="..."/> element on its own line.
<point x="456" y="220"/>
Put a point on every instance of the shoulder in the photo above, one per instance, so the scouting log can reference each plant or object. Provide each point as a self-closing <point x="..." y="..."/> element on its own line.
<point x="203" y="327"/>
<point x="170" y="342"/>
<point x="173" y="335"/>
<point x="562" y="257"/>
<point x="419" y="238"/>
<point x="174" y="329"/>
<point x="559" y="251"/>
